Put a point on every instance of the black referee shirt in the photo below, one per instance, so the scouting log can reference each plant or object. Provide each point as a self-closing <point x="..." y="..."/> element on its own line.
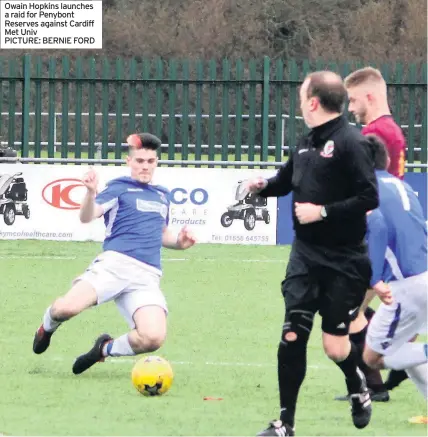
<point x="331" y="166"/>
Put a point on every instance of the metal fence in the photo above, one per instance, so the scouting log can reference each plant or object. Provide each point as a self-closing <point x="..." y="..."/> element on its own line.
<point x="202" y="111"/>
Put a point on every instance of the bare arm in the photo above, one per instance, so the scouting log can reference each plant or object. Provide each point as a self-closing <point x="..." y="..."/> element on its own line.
<point x="182" y="241"/>
<point x="89" y="210"/>
<point x="169" y="240"/>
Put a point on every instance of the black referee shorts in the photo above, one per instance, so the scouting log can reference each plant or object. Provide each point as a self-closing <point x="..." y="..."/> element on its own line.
<point x="331" y="282"/>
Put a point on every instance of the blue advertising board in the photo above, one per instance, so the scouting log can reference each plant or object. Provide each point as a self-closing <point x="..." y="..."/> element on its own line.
<point x="285" y="233"/>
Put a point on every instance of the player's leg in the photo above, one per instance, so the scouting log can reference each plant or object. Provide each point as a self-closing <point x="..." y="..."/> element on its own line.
<point x="300" y="296"/>
<point x="98" y="284"/>
<point x="419" y="376"/>
<point x="406" y="356"/>
<point x="341" y="298"/>
<point x="387" y="340"/>
<point x="143" y="306"/>
<point x="410" y="358"/>
<point x="357" y="335"/>
<point x="396" y="377"/>
<point x="292" y="365"/>
<point x="149" y="334"/>
<point x="81" y="296"/>
<point x="394" y="325"/>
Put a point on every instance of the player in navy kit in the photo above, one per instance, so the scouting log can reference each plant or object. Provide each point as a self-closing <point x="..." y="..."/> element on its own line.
<point x="397" y="240"/>
<point x="128" y="270"/>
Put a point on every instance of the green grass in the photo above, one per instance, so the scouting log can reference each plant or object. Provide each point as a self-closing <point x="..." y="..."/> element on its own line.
<point x="224" y="326"/>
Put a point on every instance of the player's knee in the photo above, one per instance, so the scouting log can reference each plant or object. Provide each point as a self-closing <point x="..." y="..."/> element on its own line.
<point x="61" y="310"/>
<point x="336" y="351"/>
<point x="154" y="342"/>
<point x="80" y="297"/>
<point x="372" y="359"/>
<point x="149" y="341"/>
<point x="335" y="341"/>
<point x="297" y="327"/>
<point x="368" y="359"/>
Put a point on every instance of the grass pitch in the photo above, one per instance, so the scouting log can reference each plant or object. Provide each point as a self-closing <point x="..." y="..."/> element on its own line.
<point x="226" y="313"/>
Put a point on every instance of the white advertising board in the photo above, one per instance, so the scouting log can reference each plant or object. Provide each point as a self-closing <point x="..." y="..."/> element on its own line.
<point x="42" y="202"/>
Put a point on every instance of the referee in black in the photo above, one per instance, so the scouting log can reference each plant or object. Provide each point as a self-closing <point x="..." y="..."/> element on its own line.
<point x="333" y="185"/>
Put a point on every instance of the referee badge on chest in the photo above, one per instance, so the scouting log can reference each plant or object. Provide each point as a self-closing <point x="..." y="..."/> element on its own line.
<point x="327" y="151"/>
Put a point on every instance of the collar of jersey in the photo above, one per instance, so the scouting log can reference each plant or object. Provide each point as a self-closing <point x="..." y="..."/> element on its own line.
<point x="380" y="117"/>
<point x="322" y="133"/>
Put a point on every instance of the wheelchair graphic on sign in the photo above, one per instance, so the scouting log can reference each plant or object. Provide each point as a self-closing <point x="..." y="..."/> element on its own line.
<point x="250" y="208"/>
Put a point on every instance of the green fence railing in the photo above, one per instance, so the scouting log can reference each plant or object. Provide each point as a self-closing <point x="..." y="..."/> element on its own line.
<point x="202" y="110"/>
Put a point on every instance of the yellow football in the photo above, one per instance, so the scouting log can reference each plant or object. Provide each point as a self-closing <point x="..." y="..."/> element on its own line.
<point x="152" y="376"/>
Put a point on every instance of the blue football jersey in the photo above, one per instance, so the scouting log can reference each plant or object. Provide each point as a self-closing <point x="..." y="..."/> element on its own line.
<point x="135" y="215"/>
<point x="397" y="231"/>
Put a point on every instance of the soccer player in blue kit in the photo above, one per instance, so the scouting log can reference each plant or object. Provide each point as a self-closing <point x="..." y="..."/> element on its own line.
<point x="397" y="240"/>
<point x="128" y="271"/>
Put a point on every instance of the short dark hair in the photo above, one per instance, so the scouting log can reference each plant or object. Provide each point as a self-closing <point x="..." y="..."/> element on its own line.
<point x="143" y="141"/>
<point x="329" y="89"/>
<point x="378" y="152"/>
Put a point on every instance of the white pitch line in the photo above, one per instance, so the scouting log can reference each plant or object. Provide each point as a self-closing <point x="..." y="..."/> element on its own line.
<point x="36" y="257"/>
<point x="227" y="260"/>
<point x="237" y="260"/>
<point x="60" y="257"/>
<point x="209" y="363"/>
<point x="50" y="257"/>
<point x="261" y="261"/>
<point x="127" y="360"/>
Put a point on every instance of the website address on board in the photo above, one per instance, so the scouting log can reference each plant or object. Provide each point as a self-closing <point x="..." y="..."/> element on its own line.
<point x="35" y="235"/>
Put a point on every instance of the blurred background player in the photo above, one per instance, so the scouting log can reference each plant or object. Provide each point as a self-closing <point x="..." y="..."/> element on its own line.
<point x="128" y="270"/>
<point x="368" y="101"/>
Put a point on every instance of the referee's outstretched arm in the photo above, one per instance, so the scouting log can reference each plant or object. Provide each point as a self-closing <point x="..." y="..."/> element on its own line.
<point x="280" y="184"/>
